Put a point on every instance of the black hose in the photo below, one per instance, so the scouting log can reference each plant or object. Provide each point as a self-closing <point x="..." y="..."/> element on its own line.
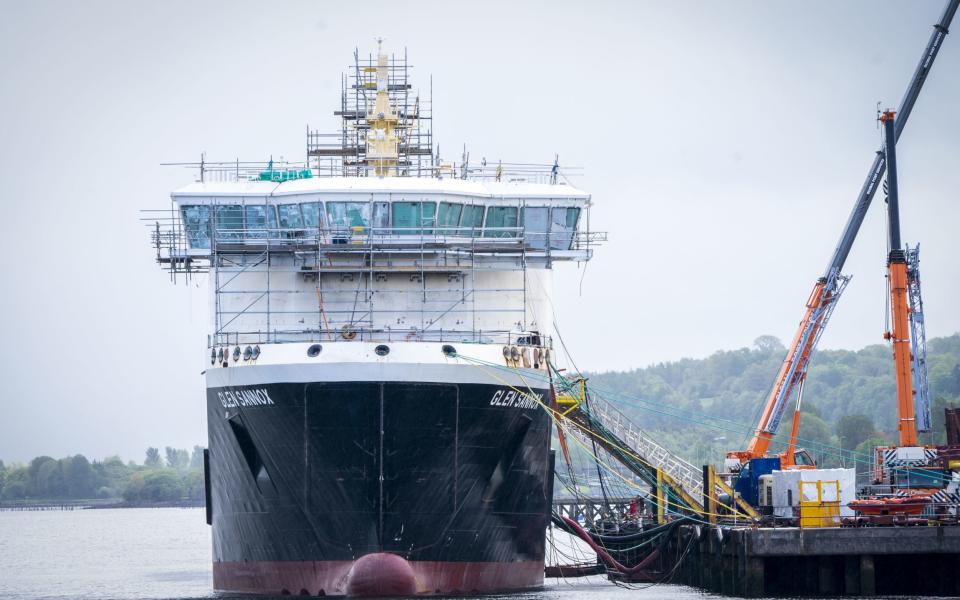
<point x="601" y="538"/>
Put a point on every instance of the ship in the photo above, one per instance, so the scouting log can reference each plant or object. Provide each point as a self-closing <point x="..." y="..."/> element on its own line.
<point x="379" y="355"/>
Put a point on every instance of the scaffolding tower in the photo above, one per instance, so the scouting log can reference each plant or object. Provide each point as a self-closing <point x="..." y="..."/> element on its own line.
<point x="347" y="152"/>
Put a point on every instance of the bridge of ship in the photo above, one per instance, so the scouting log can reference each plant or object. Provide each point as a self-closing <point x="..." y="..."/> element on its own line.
<point x="422" y="258"/>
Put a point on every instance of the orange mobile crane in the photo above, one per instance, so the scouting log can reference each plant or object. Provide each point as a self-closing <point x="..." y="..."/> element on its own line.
<point x="828" y="289"/>
<point x="906" y="465"/>
<point x="899" y="282"/>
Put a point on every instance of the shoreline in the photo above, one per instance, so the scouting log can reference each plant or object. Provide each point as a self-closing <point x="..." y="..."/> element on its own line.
<point x="42" y="505"/>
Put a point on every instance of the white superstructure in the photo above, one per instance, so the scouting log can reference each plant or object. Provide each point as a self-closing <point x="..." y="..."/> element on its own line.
<point x="382" y="242"/>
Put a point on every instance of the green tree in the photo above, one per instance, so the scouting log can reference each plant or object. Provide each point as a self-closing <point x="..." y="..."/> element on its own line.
<point x="33" y="472"/>
<point x="15" y="490"/>
<point x="769" y="343"/>
<point x="678" y="401"/>
<point x="815" y="435"/>
<point x="853" y="429"/>
<point x="153" y="457"/>
<point x="193" y="484"/>
<point x="161" y="486"/>
<point x="196" y="458"/>
<point x="865" y="448"/>
<point x="49" y="482"/>
<point x="17" y="483"/>
<point x="113" y="476"/>
<point x="177" y="459"/>
<point x="79" y="477"/>
<point x="134" y="488"/>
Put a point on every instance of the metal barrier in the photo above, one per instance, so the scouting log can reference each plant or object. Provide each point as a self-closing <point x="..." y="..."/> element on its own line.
<point x="237" y="338"/>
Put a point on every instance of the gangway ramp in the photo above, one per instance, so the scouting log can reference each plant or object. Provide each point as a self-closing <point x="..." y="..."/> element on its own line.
<point x="598" y="420"/>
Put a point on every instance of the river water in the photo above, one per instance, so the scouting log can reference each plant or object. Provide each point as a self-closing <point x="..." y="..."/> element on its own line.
<point x="164" y="553"/>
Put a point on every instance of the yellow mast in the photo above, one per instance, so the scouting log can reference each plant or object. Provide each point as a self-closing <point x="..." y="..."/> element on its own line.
<point x="382" y="141"/>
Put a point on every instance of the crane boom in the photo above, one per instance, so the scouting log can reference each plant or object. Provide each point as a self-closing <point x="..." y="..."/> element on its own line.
<point x="827" y="290"/>
<point x="869" y="188"/>
<point x="899" y="335"/>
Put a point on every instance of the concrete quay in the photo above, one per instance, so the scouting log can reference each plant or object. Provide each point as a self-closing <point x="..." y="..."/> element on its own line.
<point x="789" y="561"/>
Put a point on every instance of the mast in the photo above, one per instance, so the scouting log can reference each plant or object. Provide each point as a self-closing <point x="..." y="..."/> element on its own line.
<point x="382" y="141"/>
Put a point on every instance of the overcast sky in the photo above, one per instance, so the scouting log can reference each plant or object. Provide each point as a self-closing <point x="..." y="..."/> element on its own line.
<point x="723" y="142"/>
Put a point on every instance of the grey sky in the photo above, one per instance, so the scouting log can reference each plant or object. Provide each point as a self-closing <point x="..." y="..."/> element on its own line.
<point x="723" y="143"/>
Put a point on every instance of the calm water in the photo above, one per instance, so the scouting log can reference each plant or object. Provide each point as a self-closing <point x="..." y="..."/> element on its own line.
<point x="127" y="554"/>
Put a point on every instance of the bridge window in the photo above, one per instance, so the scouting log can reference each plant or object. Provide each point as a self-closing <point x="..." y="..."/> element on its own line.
<point x="535" y="223"/>
<point x="472" y="218"/>
<point x="448" y="215"/>
<point x="313" y="215"/>
<point x="260" y="219"/>
<point x="344" y="215"/>
<point x="381" y="215"/>
<point x="290" y="217"/>
<point x="500" y="219"/>
<point x="410" y="217"/>
<point x="196" y="221"/>
<point x="229" y="221"/>
<point x="563" y="224"/>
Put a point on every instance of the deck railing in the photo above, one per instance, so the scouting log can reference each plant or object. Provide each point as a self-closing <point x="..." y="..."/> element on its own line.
<point x="279" y="171"/>
<point x="359" y="334"/>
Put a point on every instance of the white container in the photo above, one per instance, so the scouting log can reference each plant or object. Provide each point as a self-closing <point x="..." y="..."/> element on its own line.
<point x="786" y="488"/>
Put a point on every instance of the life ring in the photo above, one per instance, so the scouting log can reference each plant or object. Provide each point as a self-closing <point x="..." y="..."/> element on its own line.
<point x="347" y="333"/>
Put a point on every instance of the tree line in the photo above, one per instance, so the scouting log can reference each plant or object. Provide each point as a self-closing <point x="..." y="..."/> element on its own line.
<point x="703" y="407"/>
<point x="177" y="475"/>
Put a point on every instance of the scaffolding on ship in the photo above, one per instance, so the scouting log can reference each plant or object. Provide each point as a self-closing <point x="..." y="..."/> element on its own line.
<point x="345" y="152"/>
<point x="443" y="262"/>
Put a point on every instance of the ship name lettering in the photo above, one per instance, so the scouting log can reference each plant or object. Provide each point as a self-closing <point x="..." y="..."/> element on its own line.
<point x="515" y="399"/>
<point x="235" y="398"/>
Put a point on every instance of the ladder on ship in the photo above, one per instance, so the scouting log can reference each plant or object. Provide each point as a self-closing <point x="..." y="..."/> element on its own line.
<point x="599" y="420"/>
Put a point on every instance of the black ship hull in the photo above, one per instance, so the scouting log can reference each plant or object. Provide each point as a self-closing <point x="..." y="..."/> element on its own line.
<point x="377" y="487"/>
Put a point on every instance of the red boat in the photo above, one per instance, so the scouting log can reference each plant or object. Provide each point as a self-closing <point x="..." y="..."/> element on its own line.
<point x="910" y="505"/>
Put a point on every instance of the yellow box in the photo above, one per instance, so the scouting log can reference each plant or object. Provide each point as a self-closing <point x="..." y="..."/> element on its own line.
<point x="823" y="508"/>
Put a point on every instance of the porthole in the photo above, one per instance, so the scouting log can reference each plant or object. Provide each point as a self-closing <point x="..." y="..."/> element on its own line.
<point x="382" y="350"/>
<point x="448" y="350"/>
<point x="236" y="354"/>
<point x="247" y="353"/>
<point x="314" y="350"/>
<point x="256" y="352"/>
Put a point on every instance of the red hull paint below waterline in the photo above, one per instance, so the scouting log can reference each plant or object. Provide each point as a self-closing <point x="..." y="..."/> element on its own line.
<point x="355" y="578"/>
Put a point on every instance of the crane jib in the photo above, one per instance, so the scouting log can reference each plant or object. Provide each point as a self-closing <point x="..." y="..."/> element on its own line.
<point x="803" y="347"/>
<point x="852" y="227"/>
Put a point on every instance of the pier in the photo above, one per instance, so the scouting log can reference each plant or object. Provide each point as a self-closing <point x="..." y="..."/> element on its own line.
<point x="864" y="561"/>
